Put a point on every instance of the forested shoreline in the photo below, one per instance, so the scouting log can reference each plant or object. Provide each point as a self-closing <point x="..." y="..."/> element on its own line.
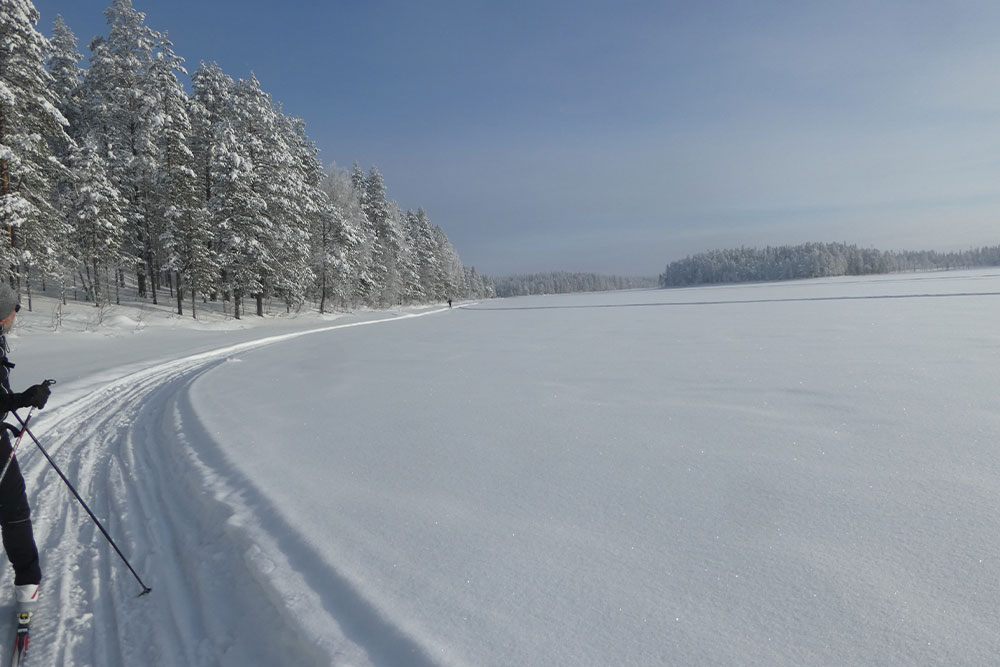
<point x="114" y="176"/>
<point x="565" y="282"/>
<point x="813" y="260"/>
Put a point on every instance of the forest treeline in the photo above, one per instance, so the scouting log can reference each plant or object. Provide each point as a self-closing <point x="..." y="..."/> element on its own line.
<point x="562" y="282"/>
<point x="114" y="175"/>
<point x="813" y="260"/>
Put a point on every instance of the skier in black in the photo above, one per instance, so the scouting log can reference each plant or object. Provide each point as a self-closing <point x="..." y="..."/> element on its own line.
<point x="15" y="515"/>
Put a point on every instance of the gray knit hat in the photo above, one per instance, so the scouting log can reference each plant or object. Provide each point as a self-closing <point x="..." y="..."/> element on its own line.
<point x="8" y="299"/>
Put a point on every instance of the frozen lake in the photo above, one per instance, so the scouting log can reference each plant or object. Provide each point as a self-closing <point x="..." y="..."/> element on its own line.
<point x="786" y="474"/>
<point x="782" y="474"/>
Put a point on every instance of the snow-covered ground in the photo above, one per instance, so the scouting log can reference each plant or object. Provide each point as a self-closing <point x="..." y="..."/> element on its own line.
<point x="785" y="474"/>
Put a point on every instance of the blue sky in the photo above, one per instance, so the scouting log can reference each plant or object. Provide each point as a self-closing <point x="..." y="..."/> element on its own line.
<point x="617" y="136"/>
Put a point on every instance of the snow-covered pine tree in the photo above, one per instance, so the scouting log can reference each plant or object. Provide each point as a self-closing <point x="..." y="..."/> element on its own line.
<point x="264" y="147"/>
<point x="235" y="209"/>
<point x="294" y="200"/>
<point x="393" y="240"/>
<point x="116" y="97"/>
<point x="97" y="232"/>
<point x="67" y="75"/>
<point x="211" y="90"/>
<point x="368" y="285"/>
<point x="189" y="254"/>
<point x="409" y="278"/>
<point x="426" y="258"/>
<point x="245" y="231"/>
<point x="327" y="254"/>
<point x="478" y="286"/>
<point x="385" y="244"/>
<point x="340" y="244"/>
<point x="186" y="239"/>
<point x="451" y="277"/>
<point x="358" y="183"/>
<point x="211" y="97"/>
<point x="30" y="124"/>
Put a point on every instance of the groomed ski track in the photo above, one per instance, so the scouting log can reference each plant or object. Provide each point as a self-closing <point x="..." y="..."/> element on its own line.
<point x="227" y="573"/>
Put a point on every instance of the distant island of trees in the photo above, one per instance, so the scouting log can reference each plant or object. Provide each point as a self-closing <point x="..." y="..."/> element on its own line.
<point x="813" y="260"/>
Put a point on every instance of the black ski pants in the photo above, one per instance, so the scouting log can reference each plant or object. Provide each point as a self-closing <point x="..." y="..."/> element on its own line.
<point x="15" y="521"/>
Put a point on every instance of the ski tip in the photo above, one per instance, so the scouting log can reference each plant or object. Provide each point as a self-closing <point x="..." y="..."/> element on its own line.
<point x="146" y="590"/>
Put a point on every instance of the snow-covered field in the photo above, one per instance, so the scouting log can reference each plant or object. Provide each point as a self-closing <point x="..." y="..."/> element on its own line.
<point x="786" y="474"/>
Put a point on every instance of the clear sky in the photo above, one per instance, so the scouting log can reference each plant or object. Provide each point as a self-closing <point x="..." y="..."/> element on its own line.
<point x="616" y="136"/>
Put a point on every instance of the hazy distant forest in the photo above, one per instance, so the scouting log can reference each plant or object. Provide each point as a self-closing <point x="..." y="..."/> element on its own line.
<point x="737" y="265"/>
<point x="562" y="282"/>
<point x="114" y="175"/>
<point x="813" y="260"/>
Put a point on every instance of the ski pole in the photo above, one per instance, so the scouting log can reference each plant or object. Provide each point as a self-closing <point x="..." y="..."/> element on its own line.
<point x="17" y="443"/>
<point x="24" y="425"/>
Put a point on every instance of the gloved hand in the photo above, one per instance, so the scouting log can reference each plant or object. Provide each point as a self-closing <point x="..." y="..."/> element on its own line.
<point x="35" y="396"/>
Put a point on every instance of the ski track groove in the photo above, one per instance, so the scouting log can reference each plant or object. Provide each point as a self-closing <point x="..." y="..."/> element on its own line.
<point x="112" y="449"/>
<point x="124" y="448"/>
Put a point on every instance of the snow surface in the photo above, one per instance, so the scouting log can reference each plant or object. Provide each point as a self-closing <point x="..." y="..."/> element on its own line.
<point x="783" y="474"/>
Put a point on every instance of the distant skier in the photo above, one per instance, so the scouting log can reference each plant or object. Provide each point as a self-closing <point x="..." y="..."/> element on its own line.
<point x="15" y="515"/>
<point x="449" y="303"/>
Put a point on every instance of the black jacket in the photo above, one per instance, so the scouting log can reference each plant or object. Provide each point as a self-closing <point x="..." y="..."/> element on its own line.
<point x="8" y="399"/>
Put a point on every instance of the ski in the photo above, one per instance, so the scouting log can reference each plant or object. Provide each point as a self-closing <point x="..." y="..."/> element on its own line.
<point x="21" y="639"/>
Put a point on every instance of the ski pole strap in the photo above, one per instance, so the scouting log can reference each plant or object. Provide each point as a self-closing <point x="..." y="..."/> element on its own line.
<point x="15" y="432"/>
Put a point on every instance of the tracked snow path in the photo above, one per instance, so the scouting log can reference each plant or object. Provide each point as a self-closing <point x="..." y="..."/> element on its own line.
<point x="158" y="484"/>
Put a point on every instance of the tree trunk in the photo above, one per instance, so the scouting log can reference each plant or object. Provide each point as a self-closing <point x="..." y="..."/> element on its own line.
<point x="322" y="295"/>
<point x="88" y="285"/>
<point x="260" y="304"/>
<point x="180" y="296"/>
<point x="152" y="275"/>
<point x="96" y="283"/>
